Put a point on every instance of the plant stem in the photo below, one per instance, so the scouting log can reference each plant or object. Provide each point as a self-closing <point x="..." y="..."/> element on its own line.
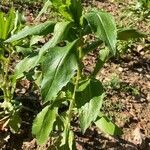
<point x="75" y="88"/>
<point x="73" y="96"/>
<point x="6" y="87"/>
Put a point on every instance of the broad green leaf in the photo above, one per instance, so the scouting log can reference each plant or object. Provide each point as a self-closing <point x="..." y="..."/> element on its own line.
<point x="89" y="102"/>
<point x="40" y="29"/>
<point x="43" y="124"/>
<point x="107" y="126"/>
<point x="89" y="112"/>
<point x="104" y="27"/>
<point x="86" y="91"/>
<point x="127" y="34"/>
<point x="59" y="66"/>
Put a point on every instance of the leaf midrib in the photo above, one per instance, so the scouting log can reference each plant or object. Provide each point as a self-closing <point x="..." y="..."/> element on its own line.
<point x="56" y="71"/>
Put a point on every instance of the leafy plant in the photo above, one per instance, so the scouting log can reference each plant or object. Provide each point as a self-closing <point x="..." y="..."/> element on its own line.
<point x="9" y="108"/>
<point x="58" y="71"/>
<point x="143" y="4"/>
<point x="131" y="89"/>
<point x="113" y="83"/>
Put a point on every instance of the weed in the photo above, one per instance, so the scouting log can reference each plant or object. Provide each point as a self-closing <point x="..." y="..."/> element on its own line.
<point x="58" y="67"/>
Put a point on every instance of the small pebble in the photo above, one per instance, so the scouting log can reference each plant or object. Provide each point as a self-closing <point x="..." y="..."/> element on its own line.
<point x="120" y="69"/>
<point x="142" y="53"/>
<point x="136" y="73"/>
<point x="143" y="100"/>
<point x="148" y="97"/>
<point x="139" y="69"/>
<point x="148" y="76"/>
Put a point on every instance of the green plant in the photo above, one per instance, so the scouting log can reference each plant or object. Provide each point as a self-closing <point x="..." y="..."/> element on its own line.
<point x="57" y="69"/>
<point x="113" y="83"/>
<point x="143" y="4"/>
<point x="9" y="108"/>
<point x="131" y="89"/>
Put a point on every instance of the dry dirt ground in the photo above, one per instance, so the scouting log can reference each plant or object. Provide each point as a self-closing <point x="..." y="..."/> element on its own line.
<point x="127" y="82"/>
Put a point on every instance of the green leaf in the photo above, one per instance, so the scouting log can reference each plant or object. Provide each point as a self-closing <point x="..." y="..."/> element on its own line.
<point x="40" y="29"/>
<point x="102" y="58"/>
<point x="24" y="50"/>
<point x="89" y="101"/>
<point x="6" y="23"/>
<point x="35" y="39"/>
<point x="89" y="112"/>
<point x="71" y="140"/>
<point x="60" y="33"/>
<point x="127" y="34"/>
<point x="62" y="7"/>
<point x="44" y="9"/>
<point x="107" y="126"/>
<point x="25" y="65"/>
<point x="104" y="27"/>
<point x="29" y="62"/>
<point x="67" y="137"/>
<point x="83" y="85"/>
<point x="9" y="23"/>
<point x="15" y="123"/>
<point x="59" y="67"/>
<point x="17" y="21"/>
<point x="58" y="3"/>
<point x="85" y="91"/>
<point x="37" y="77"/>
<point x="43" y="124"/>
<point x="70" y="9"/>
<point x="2" y="22"/>
<point x="75" y="9"/>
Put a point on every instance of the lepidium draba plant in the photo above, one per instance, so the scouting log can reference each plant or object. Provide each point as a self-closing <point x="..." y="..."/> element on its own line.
<point x="58" y="66"/>
<point x="9" y="106"/>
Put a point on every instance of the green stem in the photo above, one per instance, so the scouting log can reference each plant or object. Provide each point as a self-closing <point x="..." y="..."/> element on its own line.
<point x="73" y="96"/>
<point x="75" y="88"/>
<point x="6" y="86"/>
